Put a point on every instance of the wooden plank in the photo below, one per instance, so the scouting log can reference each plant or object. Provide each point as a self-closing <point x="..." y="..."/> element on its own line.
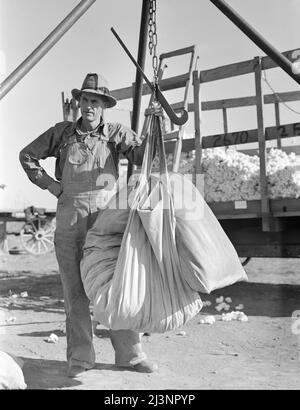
<point x="241" y="137"/>
<point x="226" y="71"/>
<point x="3" y="238"/>
<point x="170" y="83"/>
<point x="238" y="216"/>
<point x="267" y="62"/>
<point x="228" y="103"/>
<point x="285" y="207"/>
<point x="228" y="208"/>
<point x="248" y="101"/>
<point x="179" y="106"/>
<point x="170" y="136"/>
<point x="285" y="97"/>
<point x="279" y="250"/>
<point x="178" y="144"/>
<point x="287" y="149"/>
<point x="178" y="52"/>
<point x="240" y="68"/>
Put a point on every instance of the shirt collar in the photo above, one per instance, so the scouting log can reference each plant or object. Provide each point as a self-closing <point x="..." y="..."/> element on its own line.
<point x="101" y="130"/>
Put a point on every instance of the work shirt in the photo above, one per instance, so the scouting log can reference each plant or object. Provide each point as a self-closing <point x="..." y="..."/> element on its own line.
<point x="54" y="143"/>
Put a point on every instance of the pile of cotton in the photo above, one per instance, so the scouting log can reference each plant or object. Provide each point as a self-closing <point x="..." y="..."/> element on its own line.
<point x="230" y="175"/>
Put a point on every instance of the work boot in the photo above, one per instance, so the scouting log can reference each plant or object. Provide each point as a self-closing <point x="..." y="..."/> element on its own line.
<point x="145" y="366"/>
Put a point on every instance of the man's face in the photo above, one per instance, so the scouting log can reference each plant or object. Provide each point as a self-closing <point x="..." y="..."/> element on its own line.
<point x="91" y="107"/>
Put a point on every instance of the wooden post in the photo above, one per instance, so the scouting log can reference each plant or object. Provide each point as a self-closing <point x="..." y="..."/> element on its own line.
<point x="199" y="182"/>
<point x="265" y="202"/>
<point x="74" y="109"/>
<point x="277" y="118"/>
<point x="131" y="167"/>
<point x="178" y="145"/>
<point x="65" y="115"/>
<point x="3" y="238"/>
<point x="225" y="122"/>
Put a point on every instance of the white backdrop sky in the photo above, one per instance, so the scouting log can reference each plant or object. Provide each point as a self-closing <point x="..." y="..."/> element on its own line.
<point x="34" y="104"/>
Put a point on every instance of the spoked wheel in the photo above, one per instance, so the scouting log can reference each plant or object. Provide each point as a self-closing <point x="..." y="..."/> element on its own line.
<point x="37" y="236"/>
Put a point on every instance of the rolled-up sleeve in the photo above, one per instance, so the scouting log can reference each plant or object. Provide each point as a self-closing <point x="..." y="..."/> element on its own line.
<point x="46" y="145"/>
<point x="129" y="143"/>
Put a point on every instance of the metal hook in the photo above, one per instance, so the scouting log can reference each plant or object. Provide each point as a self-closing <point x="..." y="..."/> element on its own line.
<point x="178" y="120"/>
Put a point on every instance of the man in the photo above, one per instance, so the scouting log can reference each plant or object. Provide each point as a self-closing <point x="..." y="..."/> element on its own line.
<point x="84" y="151"/>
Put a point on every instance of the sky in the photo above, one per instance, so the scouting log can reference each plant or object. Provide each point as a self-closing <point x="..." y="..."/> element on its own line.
<point x="34" y="104"/>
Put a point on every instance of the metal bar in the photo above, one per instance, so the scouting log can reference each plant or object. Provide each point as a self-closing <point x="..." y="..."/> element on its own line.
<point x="164" y="103"/>
<point x="257" y="38"/>
<point x="170" y="83"/>
<point x="141" y="61"/>
<point x="44" y="47"/>
<point x="138" y="86"/>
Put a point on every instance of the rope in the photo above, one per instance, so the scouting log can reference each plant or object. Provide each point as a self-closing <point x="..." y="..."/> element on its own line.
<point x="276" y="94"/>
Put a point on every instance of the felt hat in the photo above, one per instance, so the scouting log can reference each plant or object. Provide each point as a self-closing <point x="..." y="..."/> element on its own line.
<point x="95" y="84"/>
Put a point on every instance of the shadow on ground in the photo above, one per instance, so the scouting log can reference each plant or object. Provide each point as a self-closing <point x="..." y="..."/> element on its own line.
<point x="51" y="374"/>
<point x="36" y="286"/>
<point x="46" y="374"/>
<point x="259" y="299"/>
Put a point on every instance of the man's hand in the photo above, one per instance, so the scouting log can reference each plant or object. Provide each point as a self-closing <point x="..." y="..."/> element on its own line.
<point x="55" y="188"/>
<point x="156" y="109"/>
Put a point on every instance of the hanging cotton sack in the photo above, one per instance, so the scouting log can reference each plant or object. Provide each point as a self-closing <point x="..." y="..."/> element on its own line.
<point x="207" y="257"/>
<point x="144" y="290"/>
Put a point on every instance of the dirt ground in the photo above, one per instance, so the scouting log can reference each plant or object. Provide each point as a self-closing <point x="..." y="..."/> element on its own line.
<point x="263" y="353"/>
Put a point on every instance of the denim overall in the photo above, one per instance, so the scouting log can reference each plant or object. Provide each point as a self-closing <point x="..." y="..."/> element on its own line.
<point x="77" y="208"/>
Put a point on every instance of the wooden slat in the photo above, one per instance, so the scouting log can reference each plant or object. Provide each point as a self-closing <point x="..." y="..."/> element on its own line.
<point x="285" y="97"/>
<point x="240" y="68"/>
<point x="280" y="207"/>
<point x="171" y="83"/>
<point x="228" y="103"/>
<point x="242" y="137"/>
<point x="248" y="101"/>
<point x="179" y="106"/>
<point x="226" y="71"/>
<point x="267" y="62"/>
<point x="178" y="52"/>
<point x="287" y="149"/>
<point x="248" y="136"/>
<point x="171" y="136"/>
<point x="178" y="144"/>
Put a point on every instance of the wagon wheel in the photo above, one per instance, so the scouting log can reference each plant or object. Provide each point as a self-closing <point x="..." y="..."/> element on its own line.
<point x="37" y="236"/>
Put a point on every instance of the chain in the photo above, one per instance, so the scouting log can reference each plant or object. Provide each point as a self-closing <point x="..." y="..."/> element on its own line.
<point x="276" y="94"/>
<point x="153" y="39"/>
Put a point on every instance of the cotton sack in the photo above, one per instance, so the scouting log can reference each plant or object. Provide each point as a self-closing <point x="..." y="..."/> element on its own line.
<point x="134" y="279"/>
<point x="11" y="375"/>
